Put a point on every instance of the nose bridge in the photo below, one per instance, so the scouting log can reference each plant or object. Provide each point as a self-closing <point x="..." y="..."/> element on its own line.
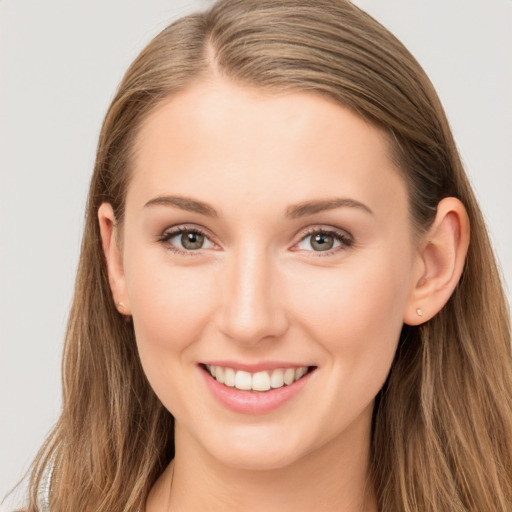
<point x="252" y="310"/>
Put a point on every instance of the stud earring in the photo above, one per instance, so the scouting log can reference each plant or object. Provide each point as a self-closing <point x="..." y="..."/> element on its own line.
<point x="122" y="308"/>
<point x="419" y="311"/>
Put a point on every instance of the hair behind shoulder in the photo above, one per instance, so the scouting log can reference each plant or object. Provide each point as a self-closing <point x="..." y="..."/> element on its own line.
<point x="442" y="430"/>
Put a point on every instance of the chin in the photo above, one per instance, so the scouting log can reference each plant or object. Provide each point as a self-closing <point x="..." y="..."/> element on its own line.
<point x="256" y="460"/>
<point x="256" y="447"/>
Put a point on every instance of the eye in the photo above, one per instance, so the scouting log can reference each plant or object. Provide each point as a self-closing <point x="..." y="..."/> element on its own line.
<point x="186" y="240"/>
<point x="325" y="241"/>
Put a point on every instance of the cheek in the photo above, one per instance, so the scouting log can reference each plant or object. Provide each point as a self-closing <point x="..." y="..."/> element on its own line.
<point x="170" y="307"/>
<point x="356" y="313"/>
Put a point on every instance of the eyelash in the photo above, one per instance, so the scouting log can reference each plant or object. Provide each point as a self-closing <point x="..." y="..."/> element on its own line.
<point x="345" y="240"/>
<point x="168" y="235"/>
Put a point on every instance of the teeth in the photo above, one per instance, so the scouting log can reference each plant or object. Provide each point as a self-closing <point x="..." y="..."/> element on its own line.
<point x="289" y="376"/>
<point x="277" y="379"/>
<point x="229" y="377"/>
<point x="300" y="372"/>
<point x="219" y="374"/>
<point x="260" y="381"/>
<point x="243" y="380"/>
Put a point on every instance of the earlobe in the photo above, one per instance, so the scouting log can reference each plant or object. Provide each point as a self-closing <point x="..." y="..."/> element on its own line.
<point x="442" y="254"/>
<point x="113" y="257"/>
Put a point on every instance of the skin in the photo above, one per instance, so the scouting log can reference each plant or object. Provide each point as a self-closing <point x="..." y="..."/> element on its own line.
<point x="258" y="290"/>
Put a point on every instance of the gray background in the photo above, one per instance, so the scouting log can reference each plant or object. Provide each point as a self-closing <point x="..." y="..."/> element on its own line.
<point x="60" y="63"/>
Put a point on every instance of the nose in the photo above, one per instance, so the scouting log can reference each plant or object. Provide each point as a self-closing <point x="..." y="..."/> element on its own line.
<point x="253" y="302"/>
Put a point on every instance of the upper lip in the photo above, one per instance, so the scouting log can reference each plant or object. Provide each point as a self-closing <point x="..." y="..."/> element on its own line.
<point x="254" y="367"/>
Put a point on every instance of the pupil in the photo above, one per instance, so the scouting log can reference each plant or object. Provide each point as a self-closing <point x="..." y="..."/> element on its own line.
<point x="322" y="242"/>
<point x="192" y="240"/>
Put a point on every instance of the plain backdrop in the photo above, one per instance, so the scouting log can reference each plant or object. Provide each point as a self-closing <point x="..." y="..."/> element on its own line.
<point x="61" y="61"/>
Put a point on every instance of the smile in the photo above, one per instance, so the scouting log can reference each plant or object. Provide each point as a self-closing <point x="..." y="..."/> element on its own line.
<point x="259" y="391"/>
<point x="259" y="381"/>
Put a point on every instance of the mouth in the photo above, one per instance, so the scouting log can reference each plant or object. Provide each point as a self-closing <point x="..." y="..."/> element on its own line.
<point x="264" y="389"/>
<point x="260" y="381"/>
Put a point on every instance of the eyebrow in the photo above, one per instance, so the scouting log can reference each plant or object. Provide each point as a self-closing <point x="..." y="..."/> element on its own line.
<point x="184" y="203"/>
<point x="292" y="212"/>
<point x="311" y="207"/>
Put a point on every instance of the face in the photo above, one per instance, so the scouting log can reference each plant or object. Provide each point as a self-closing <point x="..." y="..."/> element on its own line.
<point x="265" y="236"/>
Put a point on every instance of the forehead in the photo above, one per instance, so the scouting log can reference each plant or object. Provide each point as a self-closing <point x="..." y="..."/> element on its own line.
<point x="216" y="137"/>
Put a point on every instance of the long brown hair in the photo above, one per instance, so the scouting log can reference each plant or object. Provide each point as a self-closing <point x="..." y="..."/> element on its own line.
<point x="442" y="425"/>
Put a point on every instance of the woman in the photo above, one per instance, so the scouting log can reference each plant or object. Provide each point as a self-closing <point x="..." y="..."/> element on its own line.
<point x="278" y="304"/>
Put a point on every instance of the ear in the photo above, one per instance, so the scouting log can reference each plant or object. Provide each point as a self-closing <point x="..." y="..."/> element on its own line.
<point x="113" y="257"/>
<point x="441" y="256"/>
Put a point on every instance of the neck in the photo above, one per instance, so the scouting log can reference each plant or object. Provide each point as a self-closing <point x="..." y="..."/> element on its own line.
<point x="334" y="477"/>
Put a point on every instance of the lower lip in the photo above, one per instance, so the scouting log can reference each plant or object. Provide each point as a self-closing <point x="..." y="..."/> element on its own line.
<point x="253" y="402"/>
